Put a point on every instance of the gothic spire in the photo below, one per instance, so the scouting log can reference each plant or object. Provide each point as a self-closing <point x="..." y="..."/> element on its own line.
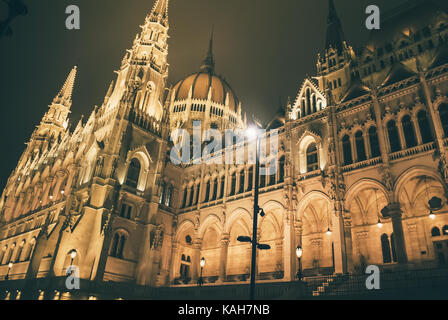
<point x="64" y="96"/>
<point x="159" y="12"/>
<point x="208" y="65"/>
<point x="335" y="34"/>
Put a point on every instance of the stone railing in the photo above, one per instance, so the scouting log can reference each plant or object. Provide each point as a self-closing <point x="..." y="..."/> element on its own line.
<point x="411" y="151"/>
<point x="362" y="164"/>
<point x="145" y="121"/>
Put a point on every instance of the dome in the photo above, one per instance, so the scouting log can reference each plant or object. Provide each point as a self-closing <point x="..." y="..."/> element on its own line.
<point x="200" y="84"/>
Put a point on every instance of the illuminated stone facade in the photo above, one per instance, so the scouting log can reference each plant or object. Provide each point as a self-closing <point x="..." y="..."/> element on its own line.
<point x="362" y="149"/>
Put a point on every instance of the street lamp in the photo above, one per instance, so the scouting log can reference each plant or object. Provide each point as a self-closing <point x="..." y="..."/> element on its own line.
<point x="299" y="252"/>
<point x="9" y="269"/>
<point x="73" y="254"/>
<point x="200" y="282"/>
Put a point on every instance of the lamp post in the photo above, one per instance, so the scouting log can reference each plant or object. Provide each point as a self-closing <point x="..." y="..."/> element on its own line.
<point x="9" y="269"/>
<point x="72" y="256"/>
<point x="299" y="252"/>
<point x="252" y="133"/>
<point x="200" y="281"/>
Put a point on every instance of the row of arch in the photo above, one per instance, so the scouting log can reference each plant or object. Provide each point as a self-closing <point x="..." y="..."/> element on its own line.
<point x="17" y="253"/>
<point x="240" y="181"/>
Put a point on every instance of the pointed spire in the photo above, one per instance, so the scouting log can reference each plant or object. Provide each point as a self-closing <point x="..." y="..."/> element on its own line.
<point x="159" y="12"/>
<point x="335" y="34"/>
<point x="64" y="96"/>
<point x="208" y="65"/>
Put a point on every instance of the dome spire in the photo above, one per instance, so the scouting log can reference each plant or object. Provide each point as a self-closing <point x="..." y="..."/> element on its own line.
<point x="208" y="65"/>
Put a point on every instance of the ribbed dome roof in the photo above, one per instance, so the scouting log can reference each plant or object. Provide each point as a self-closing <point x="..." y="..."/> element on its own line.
<point x="204" y="80"/>
<point x="201" y="83"/>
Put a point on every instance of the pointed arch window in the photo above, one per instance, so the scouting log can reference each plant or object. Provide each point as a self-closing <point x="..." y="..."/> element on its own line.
<point x="394" y="139"/>
<point x="168" y="196"/>
<point x="435" y="232"/>
<point x="312" y="158"/>
<point x="215" y="189"/>
<point x="207" y="191"/>
<point x="242" y="178"/>
<point x="117" y="246"/>
<point x="443" y="113"/>
<point x="281" y="168"/>
<point x="133" y="173"/>
<point x="445" y="230"/>
<point x="408" y="131"/>
<point x="184" y="203"/>
<point x="221" y="192"/>
<point x="347" y="150"/>
<point x="374" y="143"/>
<point x="250" y="179"/>
<point x="425" y="129"/>
<point x="190" y="200"/>
<point x="162" y="193"/>
<point x="232" y="184"/>
<point x="360" y="146"/>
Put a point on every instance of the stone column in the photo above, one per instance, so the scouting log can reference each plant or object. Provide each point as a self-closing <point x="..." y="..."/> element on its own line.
<point x="289" y="256"/>
<point x="195" y="267"/>
<point x="174" y="253"/>
<point x="395" y="213"/>
<point x="340" y="252"/>
<point x="348" y="244"/>
<point x="223" y="257"/>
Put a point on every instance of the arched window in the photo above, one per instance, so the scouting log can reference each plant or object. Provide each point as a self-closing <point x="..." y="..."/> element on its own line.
<point x="408" y="131"/>
<point x="125" y="211"/>
<point x="30" y="249"/>
<point x="392" y="245"/>
<point x="250" y="179"/>
<point x="19" y="252"/>
<point x="435" y="232"/>
<point x="242" y="178"/>
<point x="168" y="196"/>
<point x="360" y="146"/>
<point x="443" y="113"/>
<point x="312" y="158"/>
<point x="198" y="187"/>
<point x="133" y="173"/>
<point x="347" y="150"/>
<point x="385" y="246"/>
<point x="262" y="182"/>
<point x="184" y="202"/>
<point x="374" y="143"/>
<point x="425" y="130"/>
<point x="394" y="139"/>
<point x="117" y="246"/>
<point x="221" y="192"/>
<point x="445" y="230"/>
<point x="2" y="254"/>
<point x="190" y="200"/>
<point x="232" y="184"/>
<point x="207" y="191"/>
<point x="162" y="193"/>
<point x="281" y="168"/>
<point x="215" y="189"/>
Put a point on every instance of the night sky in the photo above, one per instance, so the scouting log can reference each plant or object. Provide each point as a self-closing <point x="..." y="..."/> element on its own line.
<point x="264" y="48"/>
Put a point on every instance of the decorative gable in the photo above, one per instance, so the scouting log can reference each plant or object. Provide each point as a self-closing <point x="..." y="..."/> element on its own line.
<point x="309" y="100"/>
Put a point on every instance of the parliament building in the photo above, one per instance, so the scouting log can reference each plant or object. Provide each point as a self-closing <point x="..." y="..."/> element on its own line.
<point x="361" y="170"/>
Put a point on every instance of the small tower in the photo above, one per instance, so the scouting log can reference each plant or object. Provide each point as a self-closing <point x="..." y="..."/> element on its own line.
<point x="333" y="66"/>
<point x="144" y="70"/>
